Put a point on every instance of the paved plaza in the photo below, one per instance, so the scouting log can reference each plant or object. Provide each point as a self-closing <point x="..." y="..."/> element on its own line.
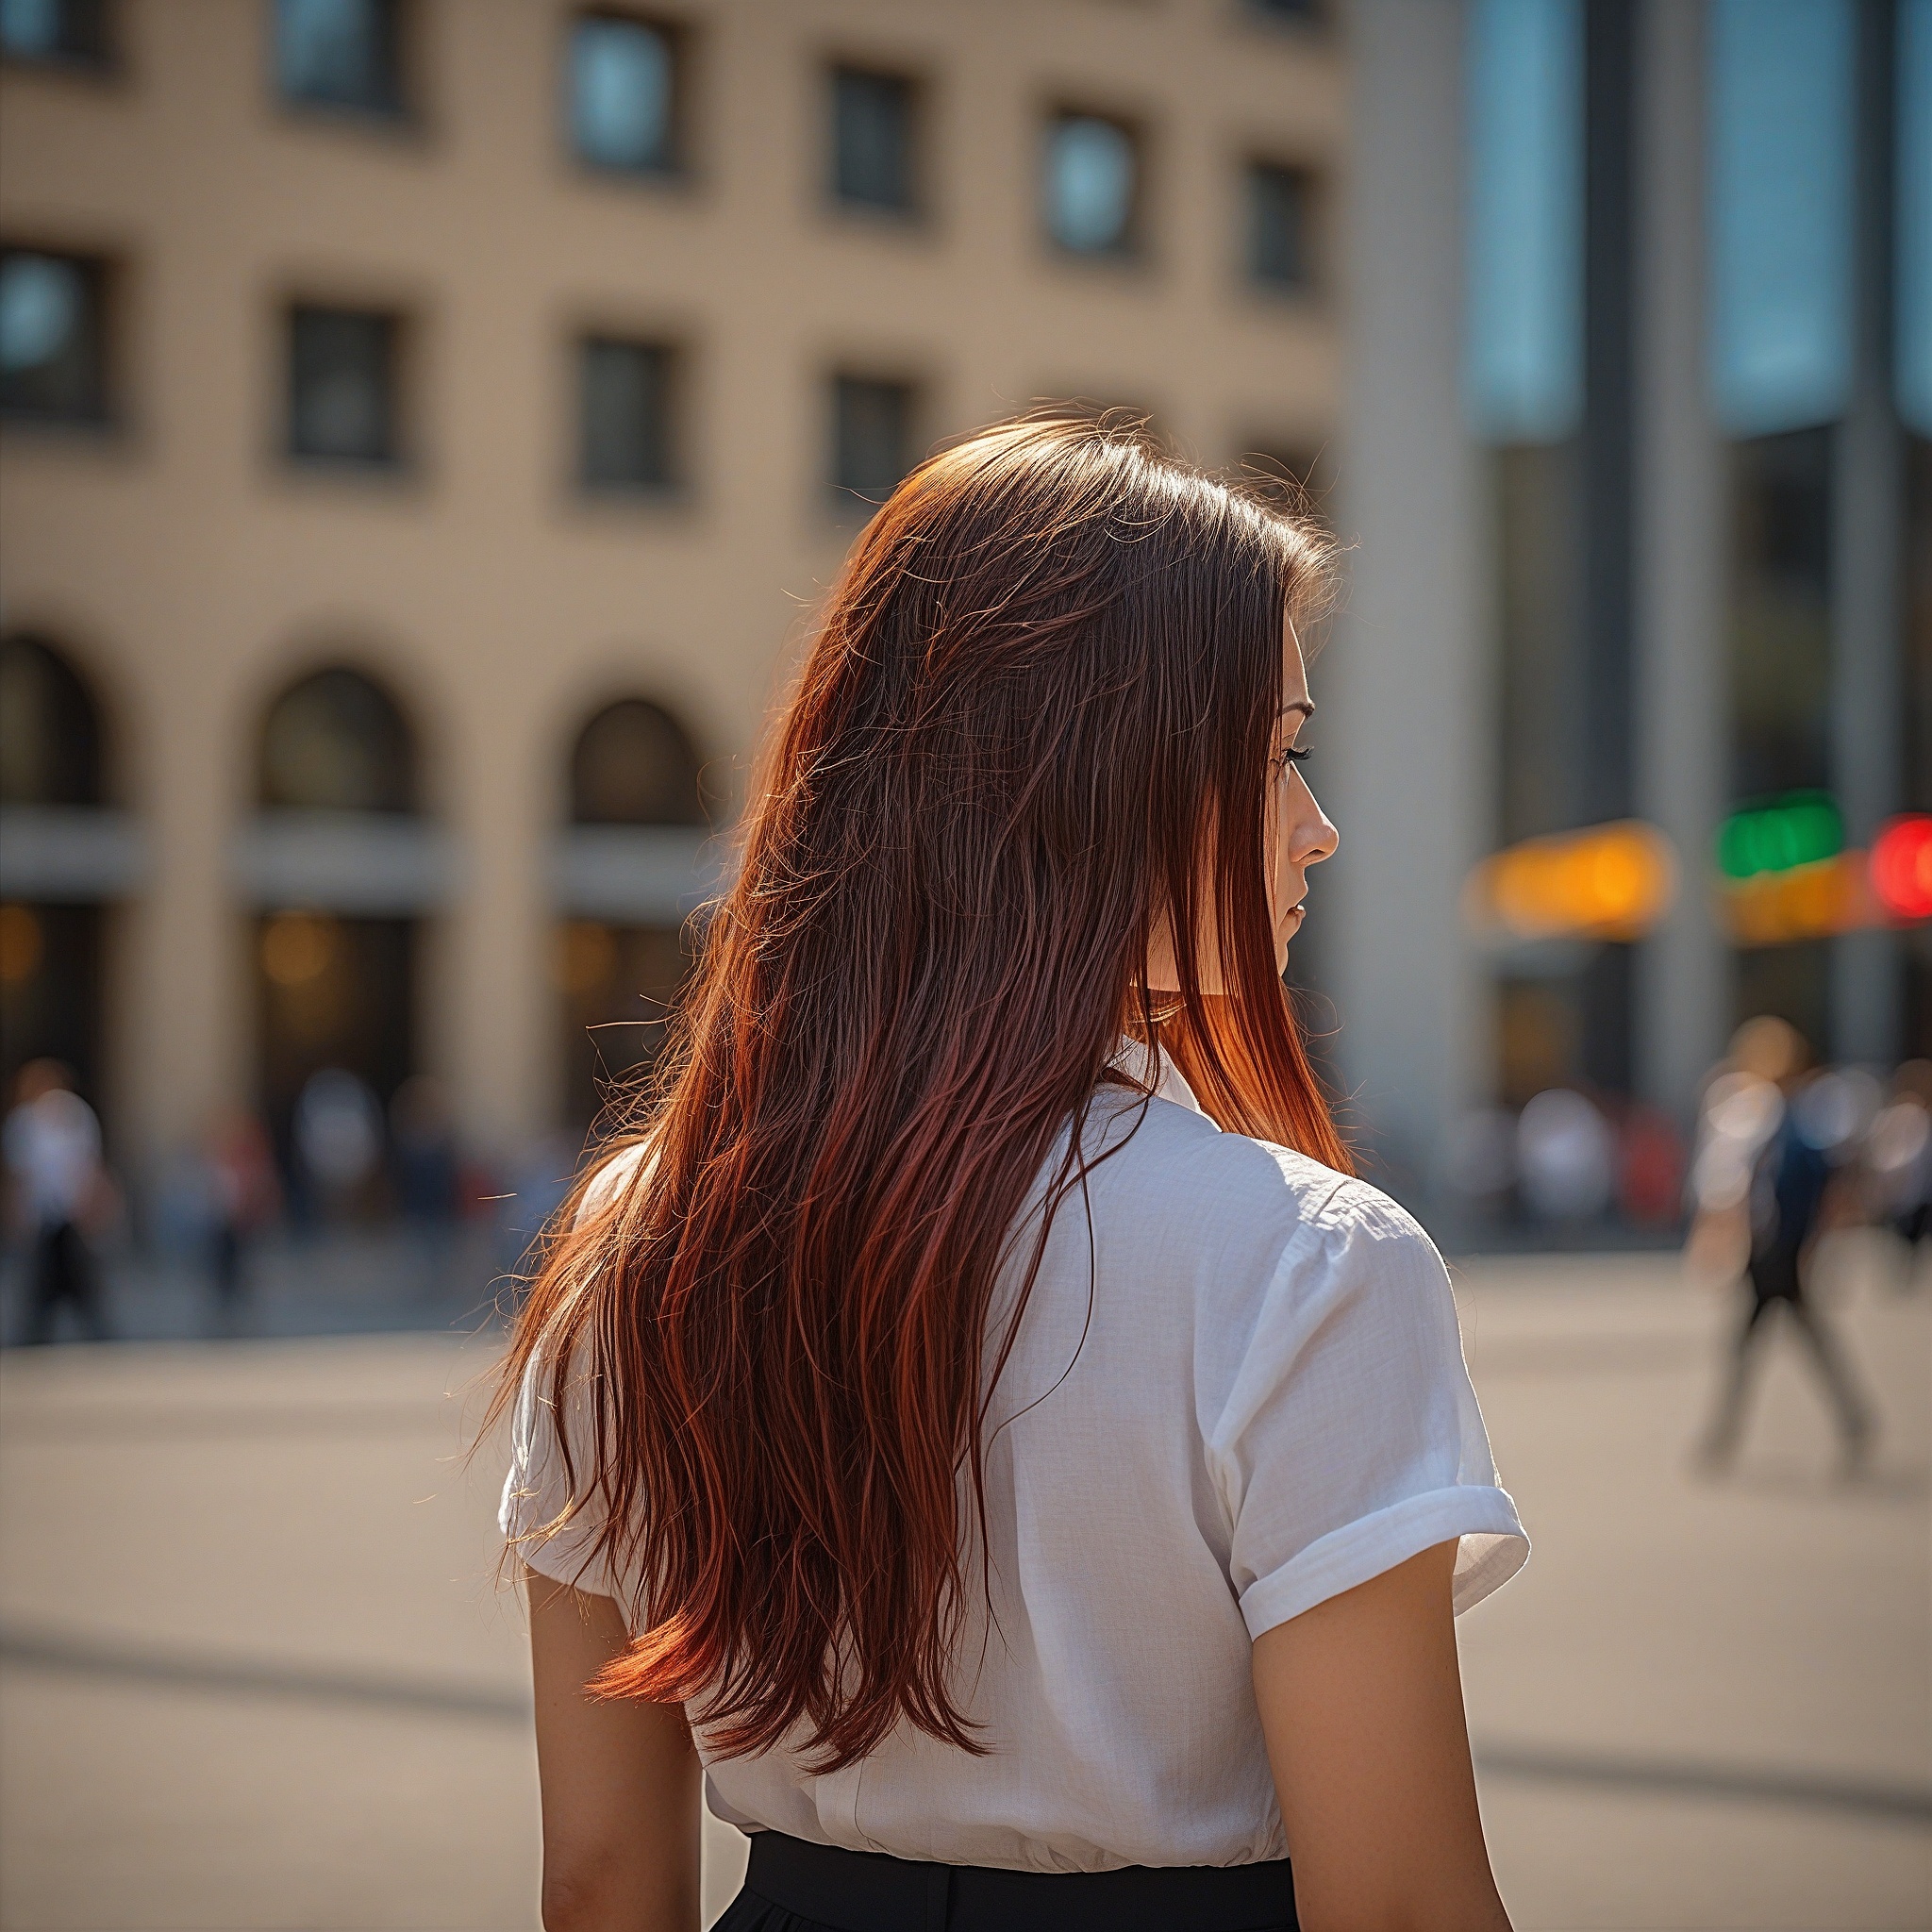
<point x="256" y="1671"/>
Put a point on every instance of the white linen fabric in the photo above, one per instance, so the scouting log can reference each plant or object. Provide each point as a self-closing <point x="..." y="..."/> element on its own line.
<point x="1237" y="1389"/>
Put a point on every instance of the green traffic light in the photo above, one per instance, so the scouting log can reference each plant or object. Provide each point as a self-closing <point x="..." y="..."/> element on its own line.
<point x="1799" y="828"/>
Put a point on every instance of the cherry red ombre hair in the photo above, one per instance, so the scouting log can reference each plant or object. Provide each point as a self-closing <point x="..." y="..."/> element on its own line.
<point x="1035" y="721"/>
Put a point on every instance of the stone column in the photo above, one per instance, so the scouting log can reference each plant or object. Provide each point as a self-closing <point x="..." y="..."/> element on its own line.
<point x="1408" y="727"/>
<point x="1682" y="748"/>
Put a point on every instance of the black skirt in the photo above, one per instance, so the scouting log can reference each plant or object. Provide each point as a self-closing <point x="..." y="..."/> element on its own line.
<point x="796" y="1886"/>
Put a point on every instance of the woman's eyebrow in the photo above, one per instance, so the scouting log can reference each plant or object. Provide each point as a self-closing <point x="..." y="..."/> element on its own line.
<point x="1305" y="705"/>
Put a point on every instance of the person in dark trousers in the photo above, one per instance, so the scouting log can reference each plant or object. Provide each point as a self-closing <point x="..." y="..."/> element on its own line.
<point x="1791" y="1183"/>
<point x="52" y="1150"/>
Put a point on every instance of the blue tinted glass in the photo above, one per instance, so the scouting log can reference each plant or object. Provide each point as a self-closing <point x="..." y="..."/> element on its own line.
<point x="1089" y="184"/>
<point x="334" y="51"/>
<point x="30" y="26"/>
<point x="620" y="79"/>
<point x="41" y="300"/>
<point x="1781" y="185"/>
<point x="1523" y="367"/>
<point x="1914" y="352"/>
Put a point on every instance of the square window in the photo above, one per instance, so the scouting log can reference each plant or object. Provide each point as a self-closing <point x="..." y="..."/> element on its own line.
<point x="53" y="337"/>
<point x="1092" y="184"/>
<point x="873" y="132"/>
<point x="623" y="94"/>
<point x="342" y="386"/>
<point x="56" y="32"/>
<point x="1287" y="13"/>
<point x="340" y="54"/>
<point x="1280" y="227"/>
<point x="624" y="397"/>
<point x="872" y="436"/>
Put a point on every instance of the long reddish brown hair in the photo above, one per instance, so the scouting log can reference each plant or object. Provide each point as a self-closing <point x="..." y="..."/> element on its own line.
<point x="1035" y="721"/>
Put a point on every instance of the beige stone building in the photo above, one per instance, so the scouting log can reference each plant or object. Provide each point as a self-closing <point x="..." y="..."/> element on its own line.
<point x="429" y="423"/>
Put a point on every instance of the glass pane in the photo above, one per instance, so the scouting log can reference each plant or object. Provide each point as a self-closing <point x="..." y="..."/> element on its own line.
<point x="341" y="382"/>
<point x="1914" y="321"/>
<point x="1781" y="614"/>
<point x="338" y="53"/>
<point x="1523" y="353"/>
<point x="872" y="139"/>
<point x="621" y="94"/>
<point x="1278" y="226"/>
<point x="1781" y="185"/>
<point x="50" y="336"/>
<point x="872" y="436"/>
<point x="50" y="733"/>
<point x="335" y="1006"/>
<point x="1546" y="721"/>
<point x="624" y="393"/>
<point x="1917" y="681"/>
<point x="1089" y="184"/>
<point x="618" y="983"/>
<point x="53" y="30"/>
<point x="335" y="743"/>
<point x="634" y="766"/>
<point x="50" y="991"/>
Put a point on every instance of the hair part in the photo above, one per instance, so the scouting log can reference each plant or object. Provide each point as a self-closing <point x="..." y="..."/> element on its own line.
<point x="1035" y="721"/>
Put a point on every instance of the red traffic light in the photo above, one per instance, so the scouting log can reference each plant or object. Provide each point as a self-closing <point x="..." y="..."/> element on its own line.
<point x="1901" y="867"/>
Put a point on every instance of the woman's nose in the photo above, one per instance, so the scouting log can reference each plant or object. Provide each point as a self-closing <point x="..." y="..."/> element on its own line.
<point x="1315" y="837"/>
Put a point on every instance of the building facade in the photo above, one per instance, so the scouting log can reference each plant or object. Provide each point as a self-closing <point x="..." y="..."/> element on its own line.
<point x="429" y="424"/>
<point x="1637" y="471"/>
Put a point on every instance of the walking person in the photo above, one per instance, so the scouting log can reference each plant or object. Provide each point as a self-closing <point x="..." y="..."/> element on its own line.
<point x="52" y="1152"/>
<point x="1789" y="1184"/>
<point x="245" y="1196"/>
<point x="977" y="1422"/>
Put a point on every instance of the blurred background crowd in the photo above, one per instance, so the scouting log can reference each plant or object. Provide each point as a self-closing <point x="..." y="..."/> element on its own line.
<point x="428" y="427"/>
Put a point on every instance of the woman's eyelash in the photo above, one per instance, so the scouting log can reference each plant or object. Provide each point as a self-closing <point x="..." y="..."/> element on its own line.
<point x="1297" y="752"/>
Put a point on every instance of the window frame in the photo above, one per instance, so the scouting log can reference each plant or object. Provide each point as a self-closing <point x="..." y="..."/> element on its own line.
<point x="1317" y="21"/>
<point x="673" y="347"/>
<point x="105" y="274"/>
<point x="916" y="209"/>
<point x="400" y="115"/>
<point x="1135" y="248"/>
<point x="1255" y="161"/>
<point x="401" y="461"/>
<point x="106" y="61"/>
<point x="848" y="502"/>
<point x="678" y="168"/>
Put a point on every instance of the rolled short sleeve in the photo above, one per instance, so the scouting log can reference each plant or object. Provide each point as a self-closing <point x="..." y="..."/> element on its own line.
<point x="538" y="1489"/>
<point x="1351" y="1440"/>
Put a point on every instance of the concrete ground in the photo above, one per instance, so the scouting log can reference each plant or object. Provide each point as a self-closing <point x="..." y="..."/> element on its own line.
<point x="255" y="1670"/>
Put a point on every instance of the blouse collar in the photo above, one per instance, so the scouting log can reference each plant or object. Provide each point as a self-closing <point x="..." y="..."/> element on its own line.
<point x="1150" y="1066"/>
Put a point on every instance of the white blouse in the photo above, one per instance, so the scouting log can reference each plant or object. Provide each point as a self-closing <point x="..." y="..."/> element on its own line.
<point x="1245" y="1394"/>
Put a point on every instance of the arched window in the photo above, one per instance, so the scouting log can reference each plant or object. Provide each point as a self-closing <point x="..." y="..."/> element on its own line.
<point x="50" y="729"/>
<point x="341" y="871"/>
<point x="633" y="765"/>
<point x="631" y="870"/>
<point x="336" y="741"/>
<point x="65" y="858"/>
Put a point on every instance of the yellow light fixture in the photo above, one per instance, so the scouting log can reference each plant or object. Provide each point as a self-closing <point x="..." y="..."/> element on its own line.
<point x="1608" y="882"/>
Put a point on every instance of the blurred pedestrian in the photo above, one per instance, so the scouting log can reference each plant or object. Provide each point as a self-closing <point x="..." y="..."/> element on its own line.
<point x="1758" y="1162"/>
<point x="1898" y="1157"/>
<point x="60" y="1190"/>
<point x="244" y="1198"/>
<point x="338" y="1141"/>
<point x="423" y="1174"/>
